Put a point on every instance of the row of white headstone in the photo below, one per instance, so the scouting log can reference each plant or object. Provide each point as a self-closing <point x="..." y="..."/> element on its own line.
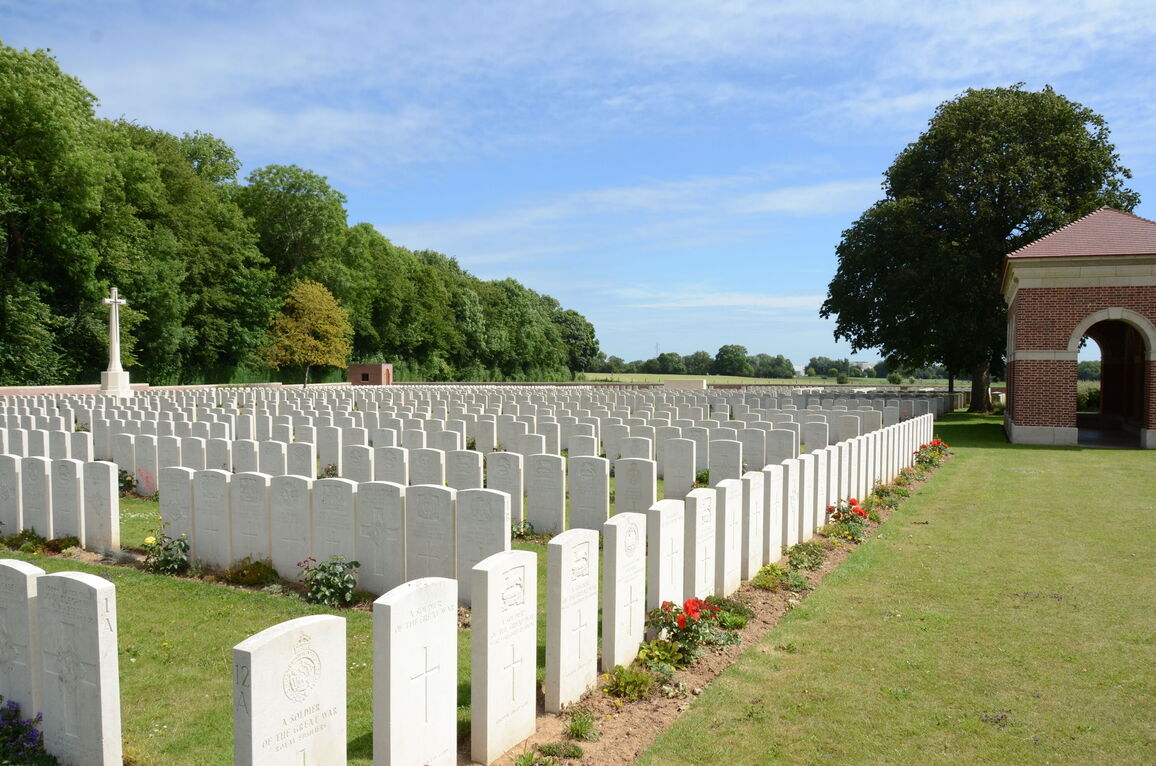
<point x="289" y="681"/>
<point x="61" y="498"/>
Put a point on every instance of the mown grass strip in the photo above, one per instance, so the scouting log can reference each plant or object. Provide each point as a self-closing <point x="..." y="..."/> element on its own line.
<point x="1002" y="615"/>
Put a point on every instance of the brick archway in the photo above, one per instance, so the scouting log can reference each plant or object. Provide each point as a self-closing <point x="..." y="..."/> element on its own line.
<point x="1097" y="277"/>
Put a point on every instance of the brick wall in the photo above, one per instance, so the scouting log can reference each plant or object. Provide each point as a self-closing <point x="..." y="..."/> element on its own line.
<point x="1047" y="316"/>
<point x="1043" y="392"/>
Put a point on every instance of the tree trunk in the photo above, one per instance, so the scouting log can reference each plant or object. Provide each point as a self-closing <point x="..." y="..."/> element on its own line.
<point x="981" y="388"/>
<point x="306" y="383"/>
<point x="951" y="382"/>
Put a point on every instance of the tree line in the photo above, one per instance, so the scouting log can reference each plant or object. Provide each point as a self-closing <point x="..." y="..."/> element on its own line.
<point x="730" y="359"/>
<point x="206" y="261"/>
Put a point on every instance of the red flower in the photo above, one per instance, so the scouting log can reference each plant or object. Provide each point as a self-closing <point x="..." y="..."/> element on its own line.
<point x="692" y="607"/>
<point x="830" y="509"/>
<point x="852" y="501"/>
<point x="667" y="606"/>
<point x="682" y="621"/>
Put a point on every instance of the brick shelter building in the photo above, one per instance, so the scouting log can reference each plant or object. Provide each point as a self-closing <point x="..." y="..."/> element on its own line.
<point x="1095" y="277"/>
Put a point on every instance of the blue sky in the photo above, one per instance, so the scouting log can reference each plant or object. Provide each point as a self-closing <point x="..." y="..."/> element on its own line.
<point x="680" y="173"/>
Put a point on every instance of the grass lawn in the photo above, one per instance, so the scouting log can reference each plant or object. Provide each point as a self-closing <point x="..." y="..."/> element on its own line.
<point x="1005" y="614"/>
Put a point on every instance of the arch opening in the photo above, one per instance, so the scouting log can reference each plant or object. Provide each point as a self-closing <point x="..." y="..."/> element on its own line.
<point x="1117" y="418"/>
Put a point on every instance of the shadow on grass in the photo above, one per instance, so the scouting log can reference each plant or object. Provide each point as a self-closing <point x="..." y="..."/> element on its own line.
<point x="970" y="429"/>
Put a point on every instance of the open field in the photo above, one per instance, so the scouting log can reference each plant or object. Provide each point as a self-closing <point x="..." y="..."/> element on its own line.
<point x="1002" y="615"/>
<point x="714" y="380"/>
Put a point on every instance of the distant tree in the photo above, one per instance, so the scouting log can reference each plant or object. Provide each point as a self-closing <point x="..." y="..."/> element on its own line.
<point x="1088" y="370"/>
<point x="671" y="363"/>
<point x="615" y="364"/>
<point x="919" y="271"/>
<point x="312" y="330"/>
<point x="732" y="360"/>
<point x="578" y="337"/>
<point x="880" y="370"/>
<point x="809" y="371"/>
<point x="698" y="363"/>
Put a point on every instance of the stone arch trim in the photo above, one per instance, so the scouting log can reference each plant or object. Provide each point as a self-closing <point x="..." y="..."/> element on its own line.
<point x="1140" y="322"/>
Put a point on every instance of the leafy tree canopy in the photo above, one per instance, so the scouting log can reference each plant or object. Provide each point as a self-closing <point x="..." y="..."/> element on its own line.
<point x="312" y="330"/>
<point x="997" y="168"/>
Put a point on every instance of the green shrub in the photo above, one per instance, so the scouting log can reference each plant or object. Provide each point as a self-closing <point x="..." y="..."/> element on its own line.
<point x="808" y="555"/>
<point x="702" y="479"/>
<point x="166" y="555"/>
<point x="58" y="544"/>
<point x="127" y="483"/>
<point x="770" y="577"/>
<point x="26" y="540"/>
<point x="331" y="582"/>
<point x="662" y="652"/>
<point x="732" y="605"/>
<point x="582" y="726"/>
<point x="560" y="750"/>
<point x="250" y="572"/>
<point x="796" y="582"/>
<point x="631" y="683"/>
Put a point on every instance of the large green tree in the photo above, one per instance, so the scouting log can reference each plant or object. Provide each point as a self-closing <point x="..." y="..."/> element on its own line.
<point x="997" y="168"/>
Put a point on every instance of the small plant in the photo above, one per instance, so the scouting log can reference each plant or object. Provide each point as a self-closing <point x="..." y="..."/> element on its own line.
<point x="329" y="472"/>
<point x="691" y="626"/>
<point x="127" y="483"/>
<point x="702" y="479"/>
<point x="21" y="741"/>
<point x="848" y="520"/>
<point x="332" y="582"/>
<point x="250" y="572"/>
<point x="770" y="577"/>
<point x="165" y="554"/>
<point x="560" y="750"/>
<point x="676" y="690"/>
<point x="26" y="540"/>
<point x="731" y="621"/>
<point x="808" y="555"/>
<point x="662" y="652"/>
<point x="534" y="758"/>
<point x="732" y="605"/>
<point x="796" y="583"/>
<point x="931" y="455"/>
<point x="522" y="530"/>
<point x="630" y="684"/>
<point x="58" y="544"/>
<point x="581" y="726"/>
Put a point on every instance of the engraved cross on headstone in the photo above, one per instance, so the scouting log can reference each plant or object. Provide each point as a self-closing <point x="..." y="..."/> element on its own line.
<point x="515" y="661"/>
<point x="424" y="677"/>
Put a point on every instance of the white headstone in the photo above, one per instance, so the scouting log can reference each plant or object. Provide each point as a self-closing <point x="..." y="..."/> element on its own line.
<point x="291" y="523"/>
<point x="700" y="543"/>
<point x="754" y="519"/>
<point x="483" y="529"/>
<point x="211" y="536"/>
<point x="589" y="492"/>
<point x="430" y="549"/>
<point x="571" y="617"/>
<point x="289" y="694"/>
<point x="20" y="674"/>
<point x="504" y="473"/>
<point x="635" y="485"/>
<point x="68" y="499"/>
<point x="11" y="490"/>
<point x="504" y="653"/>
<point x="623" y="588"/>
<point x="665" y="523"/>
<point x="729" y="537"/>
<point x="249" y="525"/>
<point x="76" y="613"/>
<point x="546" y="493"/>
<point x="334" y="531"/>
<point x="415" y="683"/>
<point x="36" y="495"/>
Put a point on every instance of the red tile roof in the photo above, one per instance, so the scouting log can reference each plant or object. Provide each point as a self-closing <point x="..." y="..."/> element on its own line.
<point x="1105" y="232"/>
